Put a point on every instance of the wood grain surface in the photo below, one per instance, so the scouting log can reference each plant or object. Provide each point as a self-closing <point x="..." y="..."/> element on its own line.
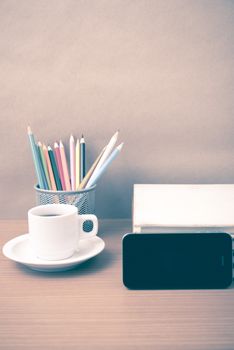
<point x="89" y="308"/>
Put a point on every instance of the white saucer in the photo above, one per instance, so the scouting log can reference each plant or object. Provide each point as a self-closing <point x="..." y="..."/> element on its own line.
<point x="18" y="249"/>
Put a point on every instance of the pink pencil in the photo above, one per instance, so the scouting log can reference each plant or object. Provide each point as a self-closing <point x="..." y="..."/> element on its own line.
<point x="59" y="165"/>
<point x="72" y="163"/>
<point x="64" y="166"/>
<point x="51" y="175"/>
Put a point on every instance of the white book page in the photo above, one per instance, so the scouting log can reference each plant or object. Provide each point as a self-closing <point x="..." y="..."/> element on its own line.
<point x="183" y="205"/>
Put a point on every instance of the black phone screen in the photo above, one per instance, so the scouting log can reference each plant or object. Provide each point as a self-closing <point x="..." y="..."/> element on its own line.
<point x="194" y="260"/>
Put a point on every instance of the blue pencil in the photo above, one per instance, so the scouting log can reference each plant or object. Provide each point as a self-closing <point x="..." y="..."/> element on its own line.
<point x="93" y="179"/>
<point x="36" y="159"/>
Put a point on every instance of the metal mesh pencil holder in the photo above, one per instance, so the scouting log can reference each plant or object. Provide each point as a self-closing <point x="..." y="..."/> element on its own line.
<point x="84" y="200"/>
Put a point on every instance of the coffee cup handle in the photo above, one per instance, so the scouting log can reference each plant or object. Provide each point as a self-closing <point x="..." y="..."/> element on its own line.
<point x="82" y="219"/>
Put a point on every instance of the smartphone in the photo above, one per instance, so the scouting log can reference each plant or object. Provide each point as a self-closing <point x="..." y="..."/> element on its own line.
<point x="177" y="260"/>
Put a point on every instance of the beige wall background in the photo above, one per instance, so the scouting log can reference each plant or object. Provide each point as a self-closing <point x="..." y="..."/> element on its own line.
<point x="160" y="71"/>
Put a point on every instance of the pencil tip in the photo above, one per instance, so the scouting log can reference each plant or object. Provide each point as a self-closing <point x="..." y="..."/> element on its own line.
<point x="55" y="144"/>
<point x="120" y="146"/>
<point x="29" y="130"/>
<point x="116" y="134"/>
<point x="39" y="144"/>
<point x="60" y="143"/>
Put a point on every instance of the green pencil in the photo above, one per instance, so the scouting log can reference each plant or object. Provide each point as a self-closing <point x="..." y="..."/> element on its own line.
<point x="55" y="169"/>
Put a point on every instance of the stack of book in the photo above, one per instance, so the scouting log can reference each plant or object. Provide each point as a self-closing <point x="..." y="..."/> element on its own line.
<point x="183" y="208"/>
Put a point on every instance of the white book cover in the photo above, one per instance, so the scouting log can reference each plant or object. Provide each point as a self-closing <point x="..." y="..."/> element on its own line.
<point x="169" y="208"/>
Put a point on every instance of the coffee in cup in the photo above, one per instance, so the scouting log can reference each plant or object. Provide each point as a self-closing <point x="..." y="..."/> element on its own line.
<point x="56" y="229"/>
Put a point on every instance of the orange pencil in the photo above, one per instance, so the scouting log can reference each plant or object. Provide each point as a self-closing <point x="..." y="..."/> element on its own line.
<point x="90" y="172"/>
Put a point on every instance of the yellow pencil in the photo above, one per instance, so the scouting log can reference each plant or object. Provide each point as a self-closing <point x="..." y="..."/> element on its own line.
<point x="44" y="164"/>
<point x="91" y="170"/>
<point x="77" y="163"/>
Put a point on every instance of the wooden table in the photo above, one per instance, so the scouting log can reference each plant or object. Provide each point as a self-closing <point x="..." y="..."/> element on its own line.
<point x="89" y="308"/>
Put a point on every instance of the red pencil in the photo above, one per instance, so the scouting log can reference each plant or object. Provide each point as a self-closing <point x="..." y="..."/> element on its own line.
<point x="59" y="165"/>
<point x="64" y="166"/>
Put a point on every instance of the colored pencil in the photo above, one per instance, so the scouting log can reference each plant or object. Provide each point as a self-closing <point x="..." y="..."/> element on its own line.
<point x="107" y="152"/>
<point x="43" y="160"/>
<point x="50" y="171"/>
<point x="90" y="172"/>
<point x="72" y="163"/>
<point x="46" y="186"/>
<point x="101" y="170"/>
<point x="59" y="165"/>
<point x="54" y="169"/>
<point x="82" y="158"/>
<point x="36" y="159"/>
<point x="77" y="163"/>
<point x="64" y="166"/>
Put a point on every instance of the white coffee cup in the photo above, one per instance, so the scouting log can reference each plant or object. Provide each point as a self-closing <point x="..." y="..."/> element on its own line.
<point x="56" y="229"/>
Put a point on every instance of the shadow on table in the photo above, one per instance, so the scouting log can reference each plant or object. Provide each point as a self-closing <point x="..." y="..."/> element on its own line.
<point x="92" y="266"/>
